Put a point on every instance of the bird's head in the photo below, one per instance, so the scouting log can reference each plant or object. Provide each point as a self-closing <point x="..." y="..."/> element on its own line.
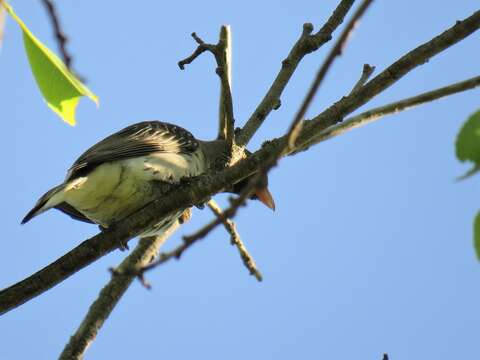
<point x="261" y="193"/>
<point x="217" y="154"/>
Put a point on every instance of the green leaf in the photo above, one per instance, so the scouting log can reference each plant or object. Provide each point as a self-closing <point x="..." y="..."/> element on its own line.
<point x="60" y="88"/>
<point x="468" y="143"/>
<point x="476" y="235"/>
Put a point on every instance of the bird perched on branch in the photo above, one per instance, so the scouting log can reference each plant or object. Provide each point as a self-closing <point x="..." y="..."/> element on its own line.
<point x="127" y="170"/>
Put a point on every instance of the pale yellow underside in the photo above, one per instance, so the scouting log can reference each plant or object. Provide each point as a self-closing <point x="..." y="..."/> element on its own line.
<point x="114" y="190"/>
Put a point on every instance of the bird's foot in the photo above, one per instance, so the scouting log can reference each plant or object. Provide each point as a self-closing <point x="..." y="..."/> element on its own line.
<point x="123" y="245"/>
<point x="201" y="205"/>
<point x="186" y="215"/>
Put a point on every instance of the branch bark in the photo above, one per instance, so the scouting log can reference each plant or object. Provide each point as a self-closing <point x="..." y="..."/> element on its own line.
<point x="322" y="72"/>
<point x="393" y="108"/>
<point x="236" y="240"/>
<point x="225" y="112"/>
<point x="122" y="278"/>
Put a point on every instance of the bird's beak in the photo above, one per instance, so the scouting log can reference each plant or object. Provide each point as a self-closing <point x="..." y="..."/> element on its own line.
<point x="266" y="198"/>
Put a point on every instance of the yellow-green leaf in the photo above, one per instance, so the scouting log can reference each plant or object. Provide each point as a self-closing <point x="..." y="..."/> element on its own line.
<point x="60" y="88"/>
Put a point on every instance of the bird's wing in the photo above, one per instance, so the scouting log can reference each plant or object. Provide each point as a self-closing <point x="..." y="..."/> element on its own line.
<point x="136" y="140"/>
<point x="72" y="212"/>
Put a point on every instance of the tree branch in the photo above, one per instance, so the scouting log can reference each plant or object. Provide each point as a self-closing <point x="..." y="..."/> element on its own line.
<point x="190" y="192"/>
<point x="420" y="55"/>
<point x="102" y="307"/>
<point x="236" y="240"/>
<point x="221" y="218"/>
<point x="336" y="51"/>
<point x="297" y="123"/>
<point x="198" y="190"/>
<point x="231" y="211"/>
<point x="286" y="140"/>
<point x="306" y="44"/>
<point x="392" y="108"/>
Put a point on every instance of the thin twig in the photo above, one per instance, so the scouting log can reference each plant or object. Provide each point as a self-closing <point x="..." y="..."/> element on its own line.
<point x="230" y="212"/>
<point x="307" y="43"/>
<point x="231" y="228"/>
<point x="201" y="48"/>
<point x="122" y="278"/>
<point x="203" y="187"/>
<point x="226" y="123"/>
<point x="189" y="240"/>
<point x="336" y="51"/>
<point x="60" y="35"/>
<point x="367" y="71"/>
<point x="221" y="52"/>
<point x="166" y="256"/>
<point x="392" y="108"/>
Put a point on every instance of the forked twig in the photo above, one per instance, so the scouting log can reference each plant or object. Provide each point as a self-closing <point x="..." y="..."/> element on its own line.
<point x="367" y="71"/>
<point x="221" y="52"/>
<point x="336" y="51"/>
<point x="306" y="44"/>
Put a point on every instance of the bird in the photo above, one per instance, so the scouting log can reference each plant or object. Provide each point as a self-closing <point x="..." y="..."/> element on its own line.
<point x="130" y="168"/>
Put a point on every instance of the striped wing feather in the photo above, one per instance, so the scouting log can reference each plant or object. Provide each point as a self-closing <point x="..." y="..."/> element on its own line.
<point x="140" y="139"/>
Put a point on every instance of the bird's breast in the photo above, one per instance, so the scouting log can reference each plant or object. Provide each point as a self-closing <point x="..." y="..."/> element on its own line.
<point x="113" y="191"/>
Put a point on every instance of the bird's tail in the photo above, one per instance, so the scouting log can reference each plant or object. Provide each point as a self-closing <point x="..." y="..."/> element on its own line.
<point x="47" y="201"/>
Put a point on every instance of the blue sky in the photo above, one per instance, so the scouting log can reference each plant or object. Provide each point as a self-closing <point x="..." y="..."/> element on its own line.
<point x="370" y="249"/>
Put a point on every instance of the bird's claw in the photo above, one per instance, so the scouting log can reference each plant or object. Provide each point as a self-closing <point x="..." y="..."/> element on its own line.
<point x="201" y="205"/>
<point x="123" y="245"/>
<point x="186" y="215"/>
